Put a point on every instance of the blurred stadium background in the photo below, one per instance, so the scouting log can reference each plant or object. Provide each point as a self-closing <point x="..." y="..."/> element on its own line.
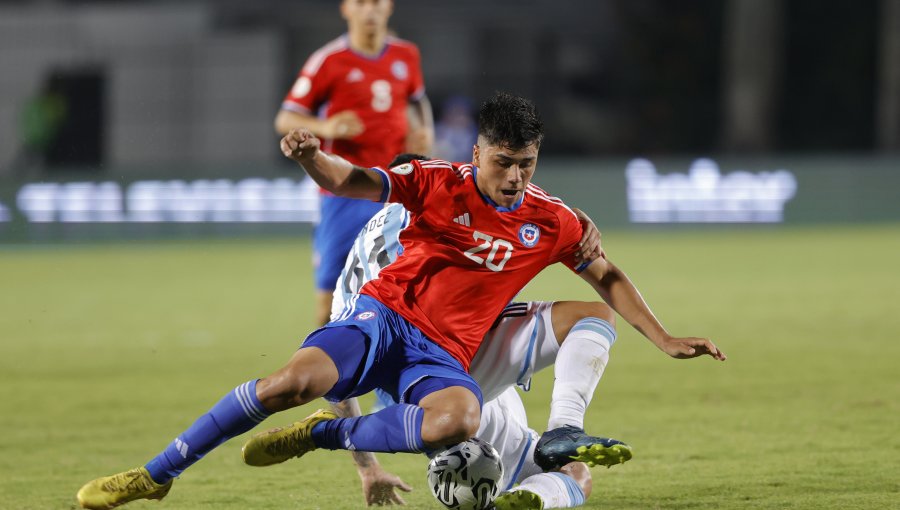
<point x="110" y="95"/>
<point x="741" y="156"/>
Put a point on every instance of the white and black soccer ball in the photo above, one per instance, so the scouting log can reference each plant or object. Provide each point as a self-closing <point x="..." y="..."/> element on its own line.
<point x="466" y="476"/>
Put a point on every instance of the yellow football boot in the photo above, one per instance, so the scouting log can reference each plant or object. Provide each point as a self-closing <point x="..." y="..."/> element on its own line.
<point x="112" y="491"/>
<point x="280" y="444"/>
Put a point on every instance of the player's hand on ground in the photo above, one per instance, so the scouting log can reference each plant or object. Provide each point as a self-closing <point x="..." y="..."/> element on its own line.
<point x="299" y="144"/>
<point x="380" y="487"/>
<point x="692" y="347"/>
<point x="590" y="239"/>
<point x="343" y="125"/>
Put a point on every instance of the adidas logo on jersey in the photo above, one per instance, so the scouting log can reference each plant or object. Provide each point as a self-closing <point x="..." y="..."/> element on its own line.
<point x="463" y="219"/>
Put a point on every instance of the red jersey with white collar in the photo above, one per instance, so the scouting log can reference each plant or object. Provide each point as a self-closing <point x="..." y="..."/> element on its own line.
<point x="464" y="258"/>
<point x="378" y="89"/>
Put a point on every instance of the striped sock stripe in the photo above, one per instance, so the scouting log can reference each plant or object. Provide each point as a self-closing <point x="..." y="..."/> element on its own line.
<point x="252" y="411"/>
<point x="595" y="325"/>
<point x="410" y="417"/>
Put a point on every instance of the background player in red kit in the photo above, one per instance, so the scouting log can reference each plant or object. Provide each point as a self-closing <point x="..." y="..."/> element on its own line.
<point x="475" y="238"/>
<point x="364" y="95"/>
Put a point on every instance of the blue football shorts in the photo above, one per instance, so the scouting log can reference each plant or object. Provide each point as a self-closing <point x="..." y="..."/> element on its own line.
<point x="390" y="354"/>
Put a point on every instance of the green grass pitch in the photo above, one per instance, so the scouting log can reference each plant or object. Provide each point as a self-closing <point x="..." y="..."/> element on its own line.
<point x="108" y="351"/>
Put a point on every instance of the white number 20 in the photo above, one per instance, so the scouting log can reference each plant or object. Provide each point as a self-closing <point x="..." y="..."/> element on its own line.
<point x="495" y="245"/>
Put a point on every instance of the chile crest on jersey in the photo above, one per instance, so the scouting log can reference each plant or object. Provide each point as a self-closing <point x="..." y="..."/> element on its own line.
<point x="529" y="235"/>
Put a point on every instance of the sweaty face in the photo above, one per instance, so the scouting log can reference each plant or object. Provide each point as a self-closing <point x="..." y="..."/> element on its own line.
<point x="369" y="16"/>
<point x="503" y="173"/>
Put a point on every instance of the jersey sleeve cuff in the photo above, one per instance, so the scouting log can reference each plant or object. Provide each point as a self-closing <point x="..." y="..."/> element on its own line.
<point x="294" y="107"/>
<point x="418" y="95"/>
<point x="386" y="185"/>
<point x="584" y="265"/>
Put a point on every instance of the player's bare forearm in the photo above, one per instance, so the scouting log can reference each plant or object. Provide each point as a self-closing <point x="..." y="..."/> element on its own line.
<point x="350" y="409"/>
<point x="331" y="172"/>
<point x="287" y="120"/>
<point x="619" y="292"/>
<point x="341" y="125"/>
<point x="421" y="127"/>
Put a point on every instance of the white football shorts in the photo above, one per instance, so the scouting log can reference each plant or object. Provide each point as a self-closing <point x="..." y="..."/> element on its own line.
<point x="521" y="344"/>
<point x="505" y="426"/>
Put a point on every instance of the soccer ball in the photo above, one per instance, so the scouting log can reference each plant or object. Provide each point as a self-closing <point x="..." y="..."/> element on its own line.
<point x="466" y="476"/>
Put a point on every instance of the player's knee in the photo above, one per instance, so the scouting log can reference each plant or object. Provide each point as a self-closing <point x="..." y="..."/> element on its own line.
<point x="581" y="474"/>
<point x="279" y="391"/>
<point x="287" y="388"/>
<point x="597" y="310"/>
<point x="449" y="426"/>
<point x="567" y="314"/>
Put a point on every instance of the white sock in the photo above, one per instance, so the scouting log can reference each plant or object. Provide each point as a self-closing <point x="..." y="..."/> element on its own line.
<point x="579" y="364"/>
<point x="558" y="490"/>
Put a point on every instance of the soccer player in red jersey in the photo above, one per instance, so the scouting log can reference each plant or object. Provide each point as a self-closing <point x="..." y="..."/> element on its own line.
<point x="475" y="237"/>
<point x="364" y="95"/>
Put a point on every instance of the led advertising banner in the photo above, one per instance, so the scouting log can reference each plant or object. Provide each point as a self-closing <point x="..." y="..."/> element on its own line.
<point x="616" y="193"/>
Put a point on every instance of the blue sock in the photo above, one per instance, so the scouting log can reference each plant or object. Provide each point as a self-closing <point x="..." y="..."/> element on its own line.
<point x="394" y="429"/>
<point x="237" y="412"/>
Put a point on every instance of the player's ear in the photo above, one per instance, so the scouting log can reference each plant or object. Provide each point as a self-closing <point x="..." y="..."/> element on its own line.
<point x="475" y="155"/>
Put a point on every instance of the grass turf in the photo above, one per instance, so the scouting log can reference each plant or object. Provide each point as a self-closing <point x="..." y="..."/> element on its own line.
<point x="109" y="351"/>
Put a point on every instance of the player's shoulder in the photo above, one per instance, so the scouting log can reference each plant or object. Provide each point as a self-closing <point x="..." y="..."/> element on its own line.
<point x="540" y="199"/>
<point x="445" y="170"/>
<point x="402" y="45"/>
<point x="327" y="52"/>
<point x="439" y="167"/>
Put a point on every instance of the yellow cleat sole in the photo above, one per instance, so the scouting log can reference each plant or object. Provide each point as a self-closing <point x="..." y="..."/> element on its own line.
<point x="518" y="500"/>
<point x="599" y="455"/>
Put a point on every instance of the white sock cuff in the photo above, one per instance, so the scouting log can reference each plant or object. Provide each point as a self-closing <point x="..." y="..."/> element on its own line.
<point x="557" y="490"/>
<point x="576" y="495"/>
<point x="595" y="325"/>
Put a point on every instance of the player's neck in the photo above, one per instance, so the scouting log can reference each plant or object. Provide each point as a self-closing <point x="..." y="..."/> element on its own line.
<point x="368" y="43"/>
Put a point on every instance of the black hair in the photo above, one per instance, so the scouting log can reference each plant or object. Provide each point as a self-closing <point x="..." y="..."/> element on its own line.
<point x="510" y="121"/>
<point x="406" y="157"/>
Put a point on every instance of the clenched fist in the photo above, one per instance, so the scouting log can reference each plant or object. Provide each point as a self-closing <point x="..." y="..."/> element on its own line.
<point x="300" y="145"/>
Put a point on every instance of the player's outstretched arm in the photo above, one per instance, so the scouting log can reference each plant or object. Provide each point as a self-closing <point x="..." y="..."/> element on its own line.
<point x="345" y="124"/>
<point x="331" y="172"/>
<point x="619" y="292"/>
<point x="379" y="486"/>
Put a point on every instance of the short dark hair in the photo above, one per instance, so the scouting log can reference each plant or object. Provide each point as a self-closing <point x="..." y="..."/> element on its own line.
<point x="406" y="157"/>
<point x="511" y="121"/>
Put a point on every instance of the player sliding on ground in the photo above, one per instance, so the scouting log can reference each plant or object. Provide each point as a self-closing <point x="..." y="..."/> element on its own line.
<point x="525" y="338"/>
<point x="471" y="245"/>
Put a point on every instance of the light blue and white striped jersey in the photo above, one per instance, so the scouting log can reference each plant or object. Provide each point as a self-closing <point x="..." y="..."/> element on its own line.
<point x="376" y="246"/>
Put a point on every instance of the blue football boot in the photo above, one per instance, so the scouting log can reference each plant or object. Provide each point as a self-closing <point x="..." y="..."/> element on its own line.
<point x="566" y="444"/>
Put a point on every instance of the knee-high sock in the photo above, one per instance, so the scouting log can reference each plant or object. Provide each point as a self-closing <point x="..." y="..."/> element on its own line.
<point x="396" y="428"/>
<point x="579" y="364"/>
<point x="558" y="490"/>
<point x="237" y="412"/>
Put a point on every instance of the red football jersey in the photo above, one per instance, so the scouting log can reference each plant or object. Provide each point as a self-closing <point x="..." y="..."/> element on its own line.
<point x="463" y="257"/>
<point x="378" y="89"/>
